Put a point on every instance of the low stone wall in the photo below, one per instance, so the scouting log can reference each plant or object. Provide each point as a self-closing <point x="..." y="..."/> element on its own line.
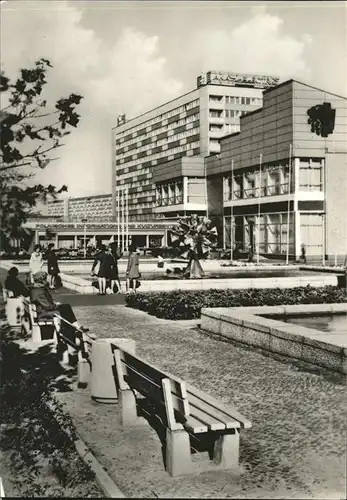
<point x="236" y="283"/>
<point x="245" y="325"/>
<point x="84" y="286"/>
<point x="77" y="284"/>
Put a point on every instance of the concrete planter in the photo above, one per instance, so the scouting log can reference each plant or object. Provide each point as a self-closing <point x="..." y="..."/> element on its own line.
<point x="245" y="325"/>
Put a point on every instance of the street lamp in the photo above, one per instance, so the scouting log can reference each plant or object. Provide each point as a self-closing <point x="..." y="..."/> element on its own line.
<point x="85" y="237"/>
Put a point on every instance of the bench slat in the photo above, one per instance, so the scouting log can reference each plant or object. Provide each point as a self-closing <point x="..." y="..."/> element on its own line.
<point x="231" y="411"/>
<point x="204" y="418"/>
<point x="197" y="405"/>
<point x="150" y="366"/>
<point x="195" y="426"/>
<point x="152" y="389"/>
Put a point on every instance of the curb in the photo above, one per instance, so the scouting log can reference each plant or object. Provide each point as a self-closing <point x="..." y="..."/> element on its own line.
<point x="109" y="488"/>
<point x="107" y="485"/>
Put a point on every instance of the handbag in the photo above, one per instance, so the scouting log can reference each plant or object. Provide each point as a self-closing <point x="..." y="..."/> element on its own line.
<point x="57" y="281"/>
<point x="137" y="283"/>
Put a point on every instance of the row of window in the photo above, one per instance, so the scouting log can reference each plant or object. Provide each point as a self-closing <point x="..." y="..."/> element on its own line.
<point x="271" y="235"/>
<point x="272" y="181"/>
<point x="234" y="113"/>
<point x="182" y="121"/>
<point x="163" y="154"/>
<point x="156" y="119"/>
<point x="235" y="99"/>
<point x="132" y="174"/>
<point x="243" y="100"/>
<point x="166" y="140"/>
<point x="228" y="113"/>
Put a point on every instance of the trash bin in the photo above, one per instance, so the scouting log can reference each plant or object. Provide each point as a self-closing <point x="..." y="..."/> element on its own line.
<point x="103" y="384"/>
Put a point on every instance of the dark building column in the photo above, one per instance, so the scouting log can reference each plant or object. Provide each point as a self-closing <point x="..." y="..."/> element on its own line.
<point x="215" y="204"/>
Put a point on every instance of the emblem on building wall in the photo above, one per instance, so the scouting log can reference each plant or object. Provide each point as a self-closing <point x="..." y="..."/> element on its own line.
<point x="322" y="119"/>
<point x="121" y="119"/>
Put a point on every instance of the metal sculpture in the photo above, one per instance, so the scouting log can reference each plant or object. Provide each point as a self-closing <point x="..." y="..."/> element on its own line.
<point x="195" y="237"/>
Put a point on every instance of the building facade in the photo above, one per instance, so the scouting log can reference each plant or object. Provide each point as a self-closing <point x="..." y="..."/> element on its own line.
<point x="97" y="207"/>
<point x="82" y="234"/>
<point x="281" y="182"/>
<point x="158" y="157"/>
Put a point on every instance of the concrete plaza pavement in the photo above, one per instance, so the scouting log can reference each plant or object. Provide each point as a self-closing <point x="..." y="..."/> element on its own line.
<point x="295" y="449"/>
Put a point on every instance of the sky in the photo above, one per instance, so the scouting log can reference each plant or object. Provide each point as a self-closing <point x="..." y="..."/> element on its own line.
<point x="128" y="57"/>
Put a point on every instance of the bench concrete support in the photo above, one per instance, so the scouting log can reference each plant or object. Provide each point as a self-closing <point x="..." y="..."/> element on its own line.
<point x="36" y="333"/>
<point x="226" y="450"/>
<point x="83" y="372"/>
<point x="128" y="410"/>
<point x="14" y="311"/>
<point x="178" y="457"/>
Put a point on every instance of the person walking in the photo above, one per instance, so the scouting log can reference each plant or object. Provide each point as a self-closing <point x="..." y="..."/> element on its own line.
<point x="52" y="266"/>
<point x="116" y="254"/>
<point x="132" y="272"/>
<point x="36" y="261"/>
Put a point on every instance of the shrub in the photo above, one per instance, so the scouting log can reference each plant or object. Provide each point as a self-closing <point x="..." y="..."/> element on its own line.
<point x="36" y="434"/>
<point x="183" y="304"/>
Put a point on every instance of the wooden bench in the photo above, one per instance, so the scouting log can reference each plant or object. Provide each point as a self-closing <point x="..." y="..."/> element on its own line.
<point x="40" y="329"/>
<point x="82" y="345"/>
<point x="193" y="419"/>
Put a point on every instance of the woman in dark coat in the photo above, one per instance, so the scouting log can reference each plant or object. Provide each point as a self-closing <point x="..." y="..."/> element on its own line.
<point x="13" y="284"/>
<point x="52" y="266"/>
<point x="47" y="308"/>
<point x="116" y="254"/>
<point x="45" y="305"/>
<point x="105" y="261"/>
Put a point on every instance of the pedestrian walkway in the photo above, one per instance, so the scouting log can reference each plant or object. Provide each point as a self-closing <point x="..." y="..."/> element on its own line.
<point x="295" y="449"/>
<point x="64" y="295"/>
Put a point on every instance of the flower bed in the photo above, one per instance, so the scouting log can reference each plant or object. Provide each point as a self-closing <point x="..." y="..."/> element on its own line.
<point x="182" y="304"/>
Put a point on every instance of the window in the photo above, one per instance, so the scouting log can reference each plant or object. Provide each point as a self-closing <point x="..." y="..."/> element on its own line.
<point x="310" y="176"/>
<point x="311" y="233"/>
<point x="231" y="113"/>
<point x="215" y="128"/>
<point x="216" y="98"/>
<point x="215" y="113"/>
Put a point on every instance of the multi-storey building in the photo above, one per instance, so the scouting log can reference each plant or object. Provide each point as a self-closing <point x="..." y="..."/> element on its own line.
<point x="158" y="157"/>
<point x="96" y="207"/>
<point x="281" y="182"/>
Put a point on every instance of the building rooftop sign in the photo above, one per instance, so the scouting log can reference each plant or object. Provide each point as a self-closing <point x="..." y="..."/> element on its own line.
<point x="236" y="79"/>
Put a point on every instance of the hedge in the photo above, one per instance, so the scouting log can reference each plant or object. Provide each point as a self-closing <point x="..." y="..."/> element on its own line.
<point x="183" y="304"/>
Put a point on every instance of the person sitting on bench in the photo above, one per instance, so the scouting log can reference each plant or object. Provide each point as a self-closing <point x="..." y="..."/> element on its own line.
<point x="13" y="284"/>
<point x="47" y="308"/>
